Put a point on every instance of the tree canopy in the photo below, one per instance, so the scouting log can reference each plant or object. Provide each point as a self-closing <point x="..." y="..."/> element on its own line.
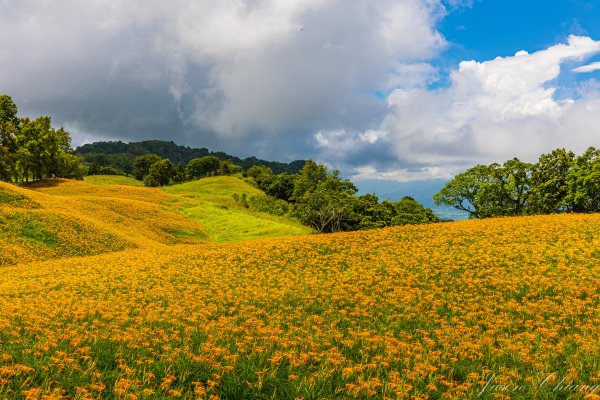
<point x="558" y="182"/>
<point x="33" y="149"/>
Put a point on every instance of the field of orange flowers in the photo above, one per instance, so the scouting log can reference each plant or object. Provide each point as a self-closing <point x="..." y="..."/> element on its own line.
<point x="60" y="218"/>
<point x="500" y="308"/>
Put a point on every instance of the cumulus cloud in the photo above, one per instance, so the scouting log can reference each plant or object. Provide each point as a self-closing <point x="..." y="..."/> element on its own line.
<point x="491" y="111"/>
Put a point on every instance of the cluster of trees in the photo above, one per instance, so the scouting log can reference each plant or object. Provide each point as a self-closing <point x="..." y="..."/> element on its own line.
<point x="33" y="149"/>
<point x="118" y="158"/>
<point x="328" y="203"/>
<point x="154" y="170"/>
<point x="317" y="197"/>
<point x="559" y="182"/>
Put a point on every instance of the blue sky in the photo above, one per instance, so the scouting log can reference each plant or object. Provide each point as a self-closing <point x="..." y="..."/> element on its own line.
<point x="490" y="28"/>
<point x="287" y="80"/>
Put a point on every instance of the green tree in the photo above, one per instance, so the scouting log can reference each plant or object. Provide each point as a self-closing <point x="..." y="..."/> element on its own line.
<point x="226" y="167"/>
<point x="160" y="174"/>
<point x="180" y="174"/>
<point x="324" y="209"/>
<point x="8" y="110"/>
<point x="323" y="200"/>
<point x="281" y="187"/>
<point x="549" y="186"/>
<point x="142" y="164"/>
<point x="469" y="191"/>
<point x="204" y="166"/>
<point x="8" y="157"/>
<point x="409" y="211"/>
<point x="583" y="181"/>
<point x="489" y="190"/>
<point x="307" y="179"/>
<point x="516" y="186"/>
<point x="8" y="133"/>
<point x="35" y="147"/>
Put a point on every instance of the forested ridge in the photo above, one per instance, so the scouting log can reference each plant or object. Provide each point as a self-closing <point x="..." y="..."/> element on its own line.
<point x="121" y="156"/>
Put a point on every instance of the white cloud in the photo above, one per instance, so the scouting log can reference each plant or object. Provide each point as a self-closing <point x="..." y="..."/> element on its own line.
<point x="491" y="111"/>
<point x="588" y="68"/>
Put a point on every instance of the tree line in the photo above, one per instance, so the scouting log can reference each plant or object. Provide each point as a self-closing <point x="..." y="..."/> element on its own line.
<point x="558" y="182"/>
<point x="328" y="203"/>
<point x="33" y="149"/>
<point x="154" y="170"/>
<point x="118" y="158"/>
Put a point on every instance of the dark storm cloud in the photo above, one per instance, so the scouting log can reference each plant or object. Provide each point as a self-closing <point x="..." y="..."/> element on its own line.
<point x="259" y="77"/>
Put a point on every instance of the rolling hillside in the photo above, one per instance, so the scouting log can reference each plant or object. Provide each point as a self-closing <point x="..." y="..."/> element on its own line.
<point x="63" y="218"/>
<point x="429" y="311"/>
<point x="110" y="290"/>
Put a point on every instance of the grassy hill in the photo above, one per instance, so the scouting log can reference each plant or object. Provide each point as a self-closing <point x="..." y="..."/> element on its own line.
<point x="61" y="218"/>
<point x="109" y="290"/>
<point x="209" y="201"/>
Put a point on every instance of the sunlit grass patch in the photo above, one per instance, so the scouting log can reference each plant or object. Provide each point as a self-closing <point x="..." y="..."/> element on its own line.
<point x="209" y="201"/>
<point x="104" y="180"/>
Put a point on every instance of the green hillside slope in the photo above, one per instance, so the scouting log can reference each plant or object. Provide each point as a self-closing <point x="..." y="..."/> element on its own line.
<point x="209" y="202"/>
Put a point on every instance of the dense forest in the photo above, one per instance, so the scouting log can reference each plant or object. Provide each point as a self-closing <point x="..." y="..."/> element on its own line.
<point x="558" y="182"/>
<point x="33" y="149"/>
<point x="118" y="157"/>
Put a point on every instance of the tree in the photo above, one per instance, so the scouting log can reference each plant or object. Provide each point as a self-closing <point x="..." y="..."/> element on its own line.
<point x="281" y="186"/>
<point x="160" y="174"/>
<point x="323" y="200"/>
<point x="8" y="132"/>
<point x="583" y="181"/>
<point x="516" y="186"/>
<point x="33" y="148"/>
<point x="201" y="167"/>
<point x="549" y="186"/>
<point x="469" y="191"/>
<point x="8" y="158"/>
<point x="324" y="209"/>
<point x="308" y="178"/>
<point x="142" y="164"/>
<point x="226" y="167"/>
<point x="489" y="190"/>
<point x="8" y="110"/>
<point x="409" y="211"/>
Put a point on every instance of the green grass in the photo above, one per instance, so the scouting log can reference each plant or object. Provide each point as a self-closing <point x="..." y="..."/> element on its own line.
<point x="209" y="201"/>
<point x="104" y="180"/>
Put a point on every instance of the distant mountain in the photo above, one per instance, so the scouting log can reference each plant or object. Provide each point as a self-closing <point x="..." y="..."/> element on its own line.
<point x="121" y="155"/>
<point x="422" y="191"/>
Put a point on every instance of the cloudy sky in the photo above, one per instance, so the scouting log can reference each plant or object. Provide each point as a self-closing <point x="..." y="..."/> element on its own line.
<point x="395" y="89"/>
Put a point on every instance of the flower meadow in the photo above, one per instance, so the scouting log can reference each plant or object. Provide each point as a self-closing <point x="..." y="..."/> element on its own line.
<point x="61" y="218"/>
<point x="499" y="308"/>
